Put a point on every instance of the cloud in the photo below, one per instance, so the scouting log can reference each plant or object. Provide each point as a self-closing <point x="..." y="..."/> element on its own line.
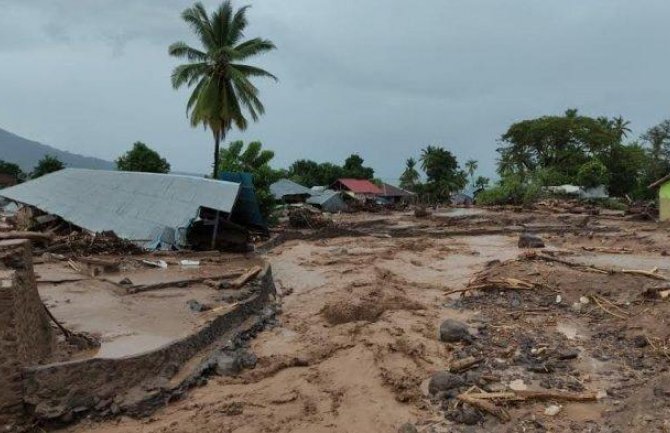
<point x="383" y="78"/>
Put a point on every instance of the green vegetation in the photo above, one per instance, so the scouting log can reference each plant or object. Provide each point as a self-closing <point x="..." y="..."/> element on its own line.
<point x="223" y="92"/>
<point x="255" y="160"/>
<point x="142" y="158"/>
<point x="47" y="165"/>
<point x="310" y="173"/>
<point x="579" y="150"/>
<point x="12" y="170"/>
<point x="409" y="178"/>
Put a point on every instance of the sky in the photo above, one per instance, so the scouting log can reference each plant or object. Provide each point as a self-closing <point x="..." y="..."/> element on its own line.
<point x="381" y="78"/>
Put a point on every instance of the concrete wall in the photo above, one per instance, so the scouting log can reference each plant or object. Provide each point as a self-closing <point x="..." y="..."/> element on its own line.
<point x="664" y="202"/>
<point x="26" y="337"/>
<point x="62" y="391"/>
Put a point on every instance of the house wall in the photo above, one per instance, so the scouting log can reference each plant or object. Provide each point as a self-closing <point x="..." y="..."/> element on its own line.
<point x="26" y="336"/>
<point x="664" y="202"/>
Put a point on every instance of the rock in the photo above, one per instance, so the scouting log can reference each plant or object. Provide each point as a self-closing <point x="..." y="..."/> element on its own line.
<point x="577" y="307"/>
<point x="226" y="365"/>
<point x="126" y="282"/>
<point x="452" y="331"/>
<point x="443" y="381"/>
<point x="584" y="300"/>
<point x="246" y="359"/>
<point x="407" y="428"/>
<point x="640" y="341"/>
<point x="567" y="354"/>
<point x="526" y="240"/>
<point x="517" y="385"/>
<point x="197" y="307"/>
<point x="559" y="299"/>
<point x="552" y="410"/>
<point x="465" y="414"/>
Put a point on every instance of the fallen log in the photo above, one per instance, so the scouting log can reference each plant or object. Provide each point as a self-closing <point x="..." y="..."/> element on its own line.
<point x="33" y="236"/>
<point x="524" y="395"/>
<point x="181" y="283"/>
<point x="485" y="406"/>
<point x="464" y="364"/>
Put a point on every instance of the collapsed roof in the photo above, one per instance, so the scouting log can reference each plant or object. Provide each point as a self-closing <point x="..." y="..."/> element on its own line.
<point x="286" y="187"/>
<point x="146" y="208"/>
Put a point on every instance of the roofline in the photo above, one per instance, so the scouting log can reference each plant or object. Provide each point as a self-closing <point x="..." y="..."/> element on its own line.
<point x="660" y="181"/>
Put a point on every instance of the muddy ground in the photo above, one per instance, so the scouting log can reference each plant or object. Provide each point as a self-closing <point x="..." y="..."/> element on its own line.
<point x="362" y="304"/>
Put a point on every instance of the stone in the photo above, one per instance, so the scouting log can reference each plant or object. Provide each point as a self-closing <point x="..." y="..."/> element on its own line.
<point x="443" y="381"/>
<point x="552" y="410"/>
<point x="407" y="428"/>
<point x="640" y="341"/>
<point x="197" y="307"/>
<point x="577" y="307"/>
<point x="527" y="240"/>
<point x="126" y="282"/>
<point x="567" y="354"/>
<point x="518" y="385"/>
<point x="453" y="331"/>
<point x="226" y="365"/>
<point x="246" y="359"/>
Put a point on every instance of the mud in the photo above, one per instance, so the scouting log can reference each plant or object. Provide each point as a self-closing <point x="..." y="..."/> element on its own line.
<point x="358" y="340"/>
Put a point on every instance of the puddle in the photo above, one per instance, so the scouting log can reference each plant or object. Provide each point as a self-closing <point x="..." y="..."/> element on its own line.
<point x="131" y="345"/>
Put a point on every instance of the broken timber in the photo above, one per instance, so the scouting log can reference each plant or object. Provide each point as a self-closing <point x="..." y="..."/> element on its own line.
<point x="185" y="282"/>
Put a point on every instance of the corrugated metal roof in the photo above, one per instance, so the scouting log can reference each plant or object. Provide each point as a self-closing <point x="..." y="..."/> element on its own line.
<point x="284" y="187"/>
<point x="393" y="191"/>
<point x="360" y="186"/>
<point x="135" y="206"/>
<point x="328" y="200"/>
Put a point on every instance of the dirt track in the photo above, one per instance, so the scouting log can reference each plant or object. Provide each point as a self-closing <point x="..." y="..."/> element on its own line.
<point x="358" y="339"/>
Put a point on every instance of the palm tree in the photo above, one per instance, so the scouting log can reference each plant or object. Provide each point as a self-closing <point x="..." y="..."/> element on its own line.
<point x="410" y="177"/>
<point x="250" y="160"/>
<point x="620" y="127"/>
<point x="222" y="91"/>
<point x="471" y="166"/>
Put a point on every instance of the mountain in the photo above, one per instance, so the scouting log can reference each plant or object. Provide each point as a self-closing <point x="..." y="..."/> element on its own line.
<point x="26" y="153"/>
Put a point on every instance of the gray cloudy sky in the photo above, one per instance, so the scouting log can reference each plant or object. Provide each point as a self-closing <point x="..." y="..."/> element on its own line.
<point x="383" y="78"/>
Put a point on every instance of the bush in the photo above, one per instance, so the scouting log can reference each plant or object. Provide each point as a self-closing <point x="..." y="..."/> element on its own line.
<point x="592" y="174"/>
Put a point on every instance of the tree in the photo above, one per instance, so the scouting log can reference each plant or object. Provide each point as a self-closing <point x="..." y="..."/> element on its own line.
<point x="142" y="158"/>
<point x="628" y="167"/>
<point x="47" y="165"/>
<point x="442" y="172"/>
<point x="620" y="127"/>
<point x="410" y="177"/>
<point x="12" y="170"/>
<point x="562" y="143"/>
<point x="482" y="182"/>
<point x="471" y="166"/>
<point x="222" y="89"/>
<point x="353" y="168"/>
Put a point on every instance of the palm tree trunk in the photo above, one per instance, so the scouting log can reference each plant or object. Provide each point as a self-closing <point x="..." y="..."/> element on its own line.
<point x="217" y="144"/>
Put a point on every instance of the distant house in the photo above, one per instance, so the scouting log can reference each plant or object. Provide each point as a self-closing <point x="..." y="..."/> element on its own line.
<point x="663" y="185"/>
<point x="290" y="192"/>
<point x="359" y="188"/>
<point x="393" y="194"/>
<point x="7" y="180"/>
<point x="329" y="201"/>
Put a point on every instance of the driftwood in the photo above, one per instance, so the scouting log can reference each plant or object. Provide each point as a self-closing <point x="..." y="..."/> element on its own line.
<point x="185" y="282"/>
<point x="244" y="278"/>
<point x="33" y="236"/>
<point x="464" y="364"/>
<point x="498" y="284"/>
<point x="485" y="406"/>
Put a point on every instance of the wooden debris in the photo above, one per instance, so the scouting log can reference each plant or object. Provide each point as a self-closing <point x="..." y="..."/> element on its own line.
<point x="244" y="278"/>
<point x="33" y="236"/>
<point x="485" y="406"/>
<point x="181" y="283"/>
<point x="650" y="274"/>
<point x="485" y="283"/>
<point x="464" y="364"/>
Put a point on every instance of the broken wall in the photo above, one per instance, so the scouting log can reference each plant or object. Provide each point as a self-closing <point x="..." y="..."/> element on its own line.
<point x="26" y="336"/>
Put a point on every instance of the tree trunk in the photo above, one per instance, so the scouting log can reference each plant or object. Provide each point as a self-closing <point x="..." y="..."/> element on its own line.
<point x="217" y="143"/>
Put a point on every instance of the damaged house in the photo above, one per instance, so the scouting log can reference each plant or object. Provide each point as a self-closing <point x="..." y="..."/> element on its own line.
<point x="155" y="211"/>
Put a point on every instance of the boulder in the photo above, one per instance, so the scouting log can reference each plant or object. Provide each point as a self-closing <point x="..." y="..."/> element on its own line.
<point x="453" y="331"/>
<point x="443" y="381"/>
<point x="526" y="240"/>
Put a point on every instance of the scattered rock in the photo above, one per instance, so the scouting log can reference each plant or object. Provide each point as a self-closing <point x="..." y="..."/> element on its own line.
<point x="577" y="307"/>
<point x="226" y="365"/>
<point x="526" y="240"/>
<point x="518" y="385"/>
<point x="452" y="331"/>
<point x="443" y="381"/>
<point x="407" y="428"/>
<point x="584" y="300"/>
<point x="567" y="354"/>
<point x="197" y="307"/>
<point x="552" y="410"/>
<point x="640" y="341"/>
<point x="126" y="282"/>
<point x="464" y="414"/>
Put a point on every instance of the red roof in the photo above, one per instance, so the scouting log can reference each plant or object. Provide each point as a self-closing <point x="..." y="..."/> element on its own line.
<point x="359" y="186"/>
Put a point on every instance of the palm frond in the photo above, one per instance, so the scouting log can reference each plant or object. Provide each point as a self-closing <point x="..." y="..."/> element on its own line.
<point x="186" y="73"/>
<point x="196" y="17"/>
<point x="253" y="47"/>
<point x="253" y="71"/>
<point x="237" y="26"/>
<point x="183" y="50"/>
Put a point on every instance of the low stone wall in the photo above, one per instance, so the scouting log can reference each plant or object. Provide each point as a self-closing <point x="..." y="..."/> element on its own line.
<point x="26" y="337"/>
<point x="63" y="391"/>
